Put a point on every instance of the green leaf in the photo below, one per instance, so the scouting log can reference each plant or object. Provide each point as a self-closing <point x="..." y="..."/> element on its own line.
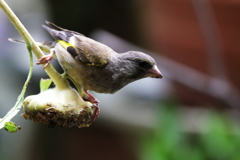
<point x="45" y="84"/>
<point x="11" y="127"/>
<point x="18" y="105"/>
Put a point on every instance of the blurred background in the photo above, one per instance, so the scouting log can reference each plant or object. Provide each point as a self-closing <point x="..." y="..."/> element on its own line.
<point x="192" y="113"/>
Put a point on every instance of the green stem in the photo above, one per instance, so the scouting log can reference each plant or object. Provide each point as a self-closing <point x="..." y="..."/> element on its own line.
<point x="59" y="81"/>
<point x="18" y="105"/>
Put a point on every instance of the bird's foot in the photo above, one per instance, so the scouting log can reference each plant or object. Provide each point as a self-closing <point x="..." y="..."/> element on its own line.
<point x="45" y="60"/>
<point x="96" y="112"/>
<point x="88" y="97"/>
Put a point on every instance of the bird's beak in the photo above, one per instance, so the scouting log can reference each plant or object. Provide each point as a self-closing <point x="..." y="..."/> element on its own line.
<point x="154" y="72"/>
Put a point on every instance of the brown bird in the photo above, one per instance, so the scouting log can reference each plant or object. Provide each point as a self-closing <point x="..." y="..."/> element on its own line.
<point x="93" y="66"/>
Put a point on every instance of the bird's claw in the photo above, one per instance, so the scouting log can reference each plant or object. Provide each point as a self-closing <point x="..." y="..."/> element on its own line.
<point x="45" y="59"/>
<point x="88" y="97"/>
<point x="96" y="112"/>
<point x="91" y="99"/>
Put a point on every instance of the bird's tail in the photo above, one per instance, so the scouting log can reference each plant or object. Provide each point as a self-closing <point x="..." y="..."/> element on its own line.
<point x="54" y="26"/>
<point x="15" y="40"/>
<point x="51" y="27"/>
<point x="45" y="46"/>
<point x="59" y="35"/>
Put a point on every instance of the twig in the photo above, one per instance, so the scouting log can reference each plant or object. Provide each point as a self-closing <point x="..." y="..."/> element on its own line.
<point x="53" y="74"/>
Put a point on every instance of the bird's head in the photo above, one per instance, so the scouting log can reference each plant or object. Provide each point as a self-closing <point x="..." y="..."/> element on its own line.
<point x="141" y="65"/>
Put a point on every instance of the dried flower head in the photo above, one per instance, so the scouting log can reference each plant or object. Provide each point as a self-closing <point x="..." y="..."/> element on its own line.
<point x="59" y="107"/>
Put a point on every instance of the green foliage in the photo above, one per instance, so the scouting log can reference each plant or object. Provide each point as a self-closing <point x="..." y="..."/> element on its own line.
<point x="11" y="127"/>
<point x="219" y="140"/>
<point x="45" y="84"/>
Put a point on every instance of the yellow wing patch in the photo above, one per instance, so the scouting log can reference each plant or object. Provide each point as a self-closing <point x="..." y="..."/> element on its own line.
<point x="65" y="44"/>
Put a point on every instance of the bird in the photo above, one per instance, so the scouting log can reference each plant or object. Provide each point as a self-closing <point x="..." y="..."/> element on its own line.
<point x="93" y="66"/>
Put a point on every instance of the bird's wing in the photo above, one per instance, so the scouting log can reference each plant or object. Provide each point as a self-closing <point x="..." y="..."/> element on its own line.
<point x="91" y="52"/>
<point x="80" y="47"/>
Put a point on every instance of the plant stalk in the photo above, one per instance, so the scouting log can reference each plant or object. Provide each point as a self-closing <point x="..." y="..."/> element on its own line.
<point x="59" y="81"/>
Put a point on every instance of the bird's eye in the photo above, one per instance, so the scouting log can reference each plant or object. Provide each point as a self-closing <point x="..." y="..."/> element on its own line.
<point x="144" y="64"/>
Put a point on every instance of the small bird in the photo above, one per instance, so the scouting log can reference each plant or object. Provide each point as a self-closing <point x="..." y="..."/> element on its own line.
<point x="94" y="66"/>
